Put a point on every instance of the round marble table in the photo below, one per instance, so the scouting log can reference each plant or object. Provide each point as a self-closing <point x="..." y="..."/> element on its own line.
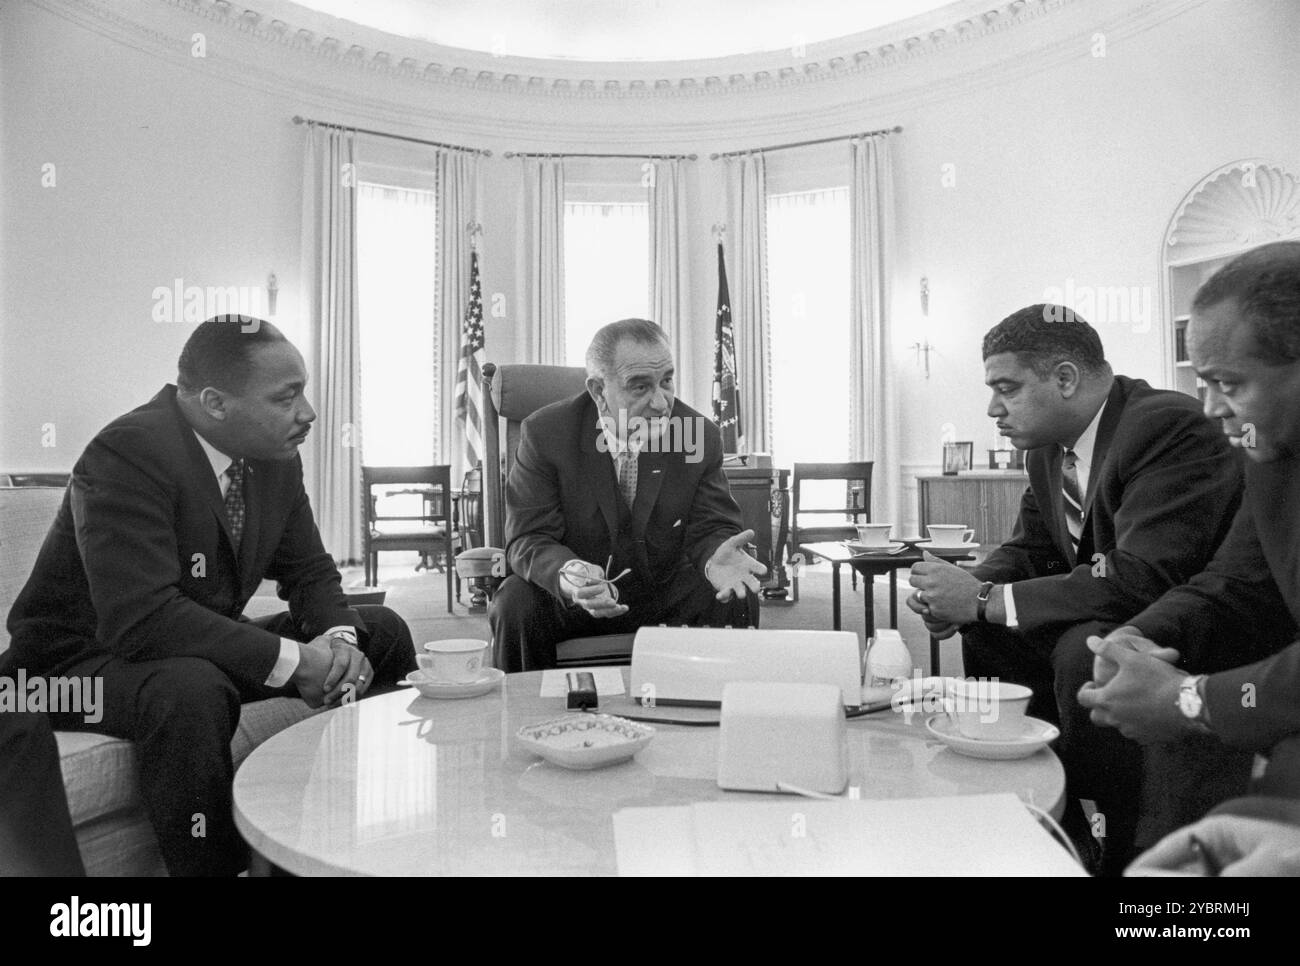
<point x="399" y="784"/>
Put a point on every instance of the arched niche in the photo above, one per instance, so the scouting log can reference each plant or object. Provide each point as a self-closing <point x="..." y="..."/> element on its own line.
<point x="1231" y="210"/>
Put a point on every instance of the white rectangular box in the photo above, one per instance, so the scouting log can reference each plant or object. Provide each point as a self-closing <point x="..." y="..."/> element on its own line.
<point x="774" y="733"/>
<point x="690" y="665"/>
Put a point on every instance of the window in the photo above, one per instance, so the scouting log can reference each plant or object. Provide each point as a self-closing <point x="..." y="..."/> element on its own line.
<point x="606" y="269"/>
<point x="397" y="242"/>
<point x="808" y="292"/>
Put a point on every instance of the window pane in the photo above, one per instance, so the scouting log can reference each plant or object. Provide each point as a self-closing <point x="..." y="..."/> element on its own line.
<point x="606" y="269"/>
<point x="397" y="241"/>
<point x="808" y="291"/>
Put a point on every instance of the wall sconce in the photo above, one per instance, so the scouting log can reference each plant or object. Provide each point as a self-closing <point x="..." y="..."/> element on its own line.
<point x="272" y="290"/>
<point x="923" y="347"/>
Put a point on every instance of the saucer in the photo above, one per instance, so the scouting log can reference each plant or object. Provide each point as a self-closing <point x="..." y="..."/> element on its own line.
<point x="432" y="688"/>
<point x="887" y="548"/>
<point x="1037" y="734"/>
<point x="945" y="549"/>
<point x="585" y="741"/>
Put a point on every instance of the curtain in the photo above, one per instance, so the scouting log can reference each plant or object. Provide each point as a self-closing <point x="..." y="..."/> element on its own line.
<point x="747" y="277"/>
<point x="541" y="238"/>
<point x="457" y="191"/>
<point x="669" y="265"/>
<point x="332" y="464"/>
<point x="874" y="399"/>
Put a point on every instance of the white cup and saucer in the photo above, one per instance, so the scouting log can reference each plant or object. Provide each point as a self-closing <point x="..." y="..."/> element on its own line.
<point x="949" y="537"/>
<point x="874" y="538"/>
<point x="985" y="718"/>
<point x="454" y="668"/>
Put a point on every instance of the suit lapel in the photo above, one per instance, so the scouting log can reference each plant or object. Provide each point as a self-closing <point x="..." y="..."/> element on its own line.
<point x="1101" y="446"/>
<point x="598" y="469"/>
<point x="203" y="480"/>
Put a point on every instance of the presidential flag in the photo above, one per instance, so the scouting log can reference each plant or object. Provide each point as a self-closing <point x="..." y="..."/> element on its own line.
<point x="469" y="372"/>
<point x="726" y="389"/>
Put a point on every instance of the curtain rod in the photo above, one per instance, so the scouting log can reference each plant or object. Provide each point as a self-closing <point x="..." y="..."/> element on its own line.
<point x="803" y="144"/>
<point x="298" y="119"/>
<point x="638" y="157"/>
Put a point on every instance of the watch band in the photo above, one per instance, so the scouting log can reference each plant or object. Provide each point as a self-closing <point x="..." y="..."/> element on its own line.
<point x="982" y="600"/>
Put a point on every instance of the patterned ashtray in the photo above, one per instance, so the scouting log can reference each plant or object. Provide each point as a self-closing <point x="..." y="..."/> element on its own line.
<point x="585" y="740"/>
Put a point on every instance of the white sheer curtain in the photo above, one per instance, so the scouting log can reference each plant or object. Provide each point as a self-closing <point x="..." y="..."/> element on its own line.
<point x="606" y="268"/>
<point x="747" y="278"/>
<point x="332" y="470"/>
<point x="397" y="247"/>
<point x="808" y="272"/>
<point x="457" y="174"/>
<point x="541" y="237"/>
<point x="874" y="405"/>
<point x="670" y="263"/>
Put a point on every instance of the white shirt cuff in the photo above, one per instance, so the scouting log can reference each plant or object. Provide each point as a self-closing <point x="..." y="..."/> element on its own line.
<point x="1009" y="606"/>
<point x="287" y="662"/>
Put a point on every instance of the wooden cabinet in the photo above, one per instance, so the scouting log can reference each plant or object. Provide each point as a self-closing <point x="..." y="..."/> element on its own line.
<point x="987" y="501"/>
<point x="762" y="494"/>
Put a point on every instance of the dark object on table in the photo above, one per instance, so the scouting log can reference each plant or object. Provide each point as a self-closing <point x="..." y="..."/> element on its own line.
<point x="582" y="691"/>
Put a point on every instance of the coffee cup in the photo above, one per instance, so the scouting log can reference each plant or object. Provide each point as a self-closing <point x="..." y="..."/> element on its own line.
<point x="874" y="534"/>
<point x="987" y="709"/>
<point x="458" y="660"/>
<point x="950" y="534"/>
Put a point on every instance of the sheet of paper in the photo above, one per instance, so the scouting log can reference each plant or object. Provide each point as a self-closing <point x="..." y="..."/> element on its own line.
<point x="951" y="836"/>
<point x="609" y="681"/>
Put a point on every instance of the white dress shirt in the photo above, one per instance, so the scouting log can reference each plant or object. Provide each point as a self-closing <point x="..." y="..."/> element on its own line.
<point x="287" y="662"/>
<point x="1083" y="452"/>
<point x="618" y="450"/>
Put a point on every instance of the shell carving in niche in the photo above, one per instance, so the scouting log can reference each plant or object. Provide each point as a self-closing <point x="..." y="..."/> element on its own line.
<point x="1246" y="204"/>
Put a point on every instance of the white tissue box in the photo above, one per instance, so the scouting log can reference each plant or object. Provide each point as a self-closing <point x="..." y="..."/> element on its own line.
<point x="790" y="733"/>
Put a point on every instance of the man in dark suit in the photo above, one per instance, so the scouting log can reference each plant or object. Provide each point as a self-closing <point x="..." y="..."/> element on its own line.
<point x="1212" y="657"/>
<point x="174" y="514"/>
<point x="1130" y="492"/>
<point x="624" y="474"/>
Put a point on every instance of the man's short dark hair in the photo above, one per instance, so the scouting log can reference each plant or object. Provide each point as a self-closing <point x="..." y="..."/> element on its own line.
<point x="1043" y="335"/>
<point x="600" y="354"/>
<point x="217" y="353"/>
<point x="1265" y="281"/>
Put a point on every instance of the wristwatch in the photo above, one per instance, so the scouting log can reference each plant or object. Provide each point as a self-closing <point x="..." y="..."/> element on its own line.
<point x="982" y="599"/>
<point x="1191" y="702"/>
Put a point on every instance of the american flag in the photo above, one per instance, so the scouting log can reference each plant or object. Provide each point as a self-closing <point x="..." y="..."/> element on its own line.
<point x="726" y="390"/>
<point x="469" y="372"/>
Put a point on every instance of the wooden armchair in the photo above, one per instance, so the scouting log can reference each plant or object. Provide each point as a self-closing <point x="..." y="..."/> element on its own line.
<point x="429" y="531"/>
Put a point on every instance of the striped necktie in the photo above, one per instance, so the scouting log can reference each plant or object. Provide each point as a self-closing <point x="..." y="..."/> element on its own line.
<point x="1073" y="498"/>
<point x="235" y="501"/>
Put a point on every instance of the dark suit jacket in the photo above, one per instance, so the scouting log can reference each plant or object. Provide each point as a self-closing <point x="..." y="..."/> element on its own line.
<point x="1246" y="604"/>
<point x="1161" y="495"/>
<point x="562" y="492"/>
<point x="140" y="563"/>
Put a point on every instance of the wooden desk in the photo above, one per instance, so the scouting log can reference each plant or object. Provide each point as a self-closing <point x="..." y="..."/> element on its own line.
<point x="398" y="784"/>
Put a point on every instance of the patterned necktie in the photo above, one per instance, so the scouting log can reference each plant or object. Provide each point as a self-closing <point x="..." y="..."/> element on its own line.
<point x="235" y="501"/>
<point x="1073" y="497"/>
<point x="627" y="477"/>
